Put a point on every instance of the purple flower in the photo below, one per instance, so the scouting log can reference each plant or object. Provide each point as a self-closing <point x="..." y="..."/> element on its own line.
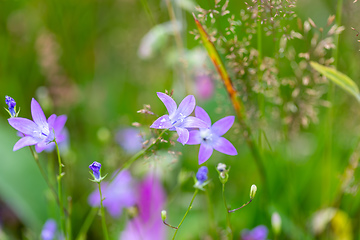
<point x="148" y="224"/>
<point x="118" y="194"/>
<point x="95" y="167"/>
<point x="201" y="175"/>
<point x="178" y="119"/>
<point x="210" y="137"/>
<point x="11" y="105"/>
<point x="258" y="233"/>
<point x="129" y="139"/>
<point x="39" y="132"/>
<point x="49" y="230"/>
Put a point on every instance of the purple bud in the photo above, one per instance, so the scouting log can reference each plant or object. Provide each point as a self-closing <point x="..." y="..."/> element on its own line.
<point x="201" y="175"/>
<point x="11" y="104"/>
<point x="95" y="167"/>
<point x="49" y="230"/>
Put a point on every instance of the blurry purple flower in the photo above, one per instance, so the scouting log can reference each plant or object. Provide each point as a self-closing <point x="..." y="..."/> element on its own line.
<point x="95" y="167"/>
<point x="258" y="233"/>
<point x="178" y="118"/>
<point x="148" y="224"/>
<point x="11" y="105"/>
<point x="204" y="86"/>
<point x="39" y="132"/>
<point x="49" y="230"/>
<point x="201" y="174"/>
<point x="210" y="137"/>
<point x="118" y="194"/>
<point x="129" y="139"/>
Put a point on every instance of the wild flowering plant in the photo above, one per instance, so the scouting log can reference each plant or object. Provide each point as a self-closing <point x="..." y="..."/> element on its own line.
<point x="40" y="132"/>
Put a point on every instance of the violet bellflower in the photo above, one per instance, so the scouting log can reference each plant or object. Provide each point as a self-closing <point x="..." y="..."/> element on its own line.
<point x="11" y="106"/>
<point x="39" y="132"/>
<point x="147" y="225"/>
<point x="210" y="138"/>
<point x="117" y="195"/>
<point x="258" y="233"/>
<point x="178" y="119"/>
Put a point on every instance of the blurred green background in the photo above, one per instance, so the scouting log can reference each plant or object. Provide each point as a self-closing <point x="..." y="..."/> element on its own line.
<point x="81" y="58"/>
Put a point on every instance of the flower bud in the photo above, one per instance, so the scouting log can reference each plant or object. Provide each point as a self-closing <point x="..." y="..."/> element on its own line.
<point x="253" y="190"/>
<point x="276" y="223"/>
<point x="11" y="106"/>
<point x="163" y="215"/>
<point x="96" y="167"/>
<point x="223" y="172"/>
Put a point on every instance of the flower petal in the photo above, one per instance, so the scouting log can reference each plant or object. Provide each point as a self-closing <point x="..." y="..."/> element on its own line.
<point x="23" y="125"/>
<point x="194" y="137"/>
<point x="38" y="114"/>
<point x="186" y="106"/>
<point x="193" y="122"/>
<point x="183" y="134"/>
<point x="202" y="114"/>
<point x="224" y="146"/>
<point x="169" y="103"/>
<point x="25" y="141"/>
<point x="204" y="153"/>
<point x="59" y="124"/>
<point x="162" y="122"/>
<point x="223" y="125"/>
<point x="44" y="145"/>
<point x="51" y="121"/>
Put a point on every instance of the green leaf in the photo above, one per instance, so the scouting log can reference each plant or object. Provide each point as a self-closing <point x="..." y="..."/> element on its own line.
<point x="338" y="78"/>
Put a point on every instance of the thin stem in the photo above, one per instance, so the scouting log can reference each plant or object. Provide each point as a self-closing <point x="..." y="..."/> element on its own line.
<point x="103" y="222"/>
<point x="62" y="217"/>
<point x="128" y="163"/>
<point x="36" y="158"/>
<point x="227" y="213"/>
<point x="169" y="225"/>
<point x="148" y="11"/>
<point x="190" y="206"/>
<point x="230" y="211"/>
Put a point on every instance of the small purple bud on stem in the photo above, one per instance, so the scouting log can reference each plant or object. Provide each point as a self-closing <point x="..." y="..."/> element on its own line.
<point x="201" y="175"/>
<point x="11" y="106"/>
<point x="95" y="167"/>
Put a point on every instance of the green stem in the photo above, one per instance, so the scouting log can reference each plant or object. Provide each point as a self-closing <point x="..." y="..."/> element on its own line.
<point x="103" y="222"/>
<point x="229" y="230"/>
<point x="36" y="158"/>
<point x="230" y="211"/>
<point x="128" y="163"/>
<point x="190" y="206"/>
<point x="62" y="217"/>
<point x="148" y="11"/>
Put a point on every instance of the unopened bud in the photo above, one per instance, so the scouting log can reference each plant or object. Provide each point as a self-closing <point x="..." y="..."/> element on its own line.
<point x="221" y="167"/>
<point x="253" y="190"/>
<point x="163" y="215"/>
<point x="276" y="223"/>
